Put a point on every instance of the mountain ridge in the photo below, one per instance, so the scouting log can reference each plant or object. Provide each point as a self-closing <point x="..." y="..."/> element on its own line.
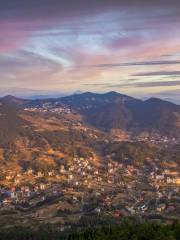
<point x="112" y="111"/>
<point x="9" y="96"/>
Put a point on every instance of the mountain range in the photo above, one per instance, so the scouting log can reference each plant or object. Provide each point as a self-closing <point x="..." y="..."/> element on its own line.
<point x="112" y="111"/>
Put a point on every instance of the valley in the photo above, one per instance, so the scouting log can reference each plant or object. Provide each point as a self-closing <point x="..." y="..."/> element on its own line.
<point x="88" y="155"/>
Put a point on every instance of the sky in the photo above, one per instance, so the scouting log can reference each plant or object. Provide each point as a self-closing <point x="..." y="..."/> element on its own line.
<point x="50" y="47"/>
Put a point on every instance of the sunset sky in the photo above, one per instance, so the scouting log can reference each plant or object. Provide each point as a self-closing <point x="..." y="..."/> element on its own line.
<point x="57" y="46"/>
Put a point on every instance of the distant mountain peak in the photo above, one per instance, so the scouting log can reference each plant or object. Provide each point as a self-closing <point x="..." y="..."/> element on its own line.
<point x="112" y="93"/>
<point x="12" y="100"/>
<point x="87" y="93"/>
<point x="155" y="100"/>
<point x="9" y="97"/>
<point x="107" y="94"/>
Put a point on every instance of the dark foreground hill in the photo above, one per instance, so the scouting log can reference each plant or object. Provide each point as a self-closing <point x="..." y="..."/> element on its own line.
<point x="125" y="230"/>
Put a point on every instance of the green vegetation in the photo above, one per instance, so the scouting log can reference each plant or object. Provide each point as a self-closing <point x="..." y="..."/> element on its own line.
<point x="126" y="230"/>
<point x="129" y="231"/>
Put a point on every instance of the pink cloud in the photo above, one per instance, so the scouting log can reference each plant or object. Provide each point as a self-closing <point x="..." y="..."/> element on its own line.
<point x="14" y="34"/>
<point x="11" y="36"/>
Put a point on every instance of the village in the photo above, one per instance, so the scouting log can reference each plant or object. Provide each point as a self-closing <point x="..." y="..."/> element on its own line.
<point x="158" y="139"/>
<point x="50" y="108"/>
<point x="85" y="187"/>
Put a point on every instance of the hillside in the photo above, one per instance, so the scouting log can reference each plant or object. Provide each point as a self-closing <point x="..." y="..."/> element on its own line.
<point x="37" y="133"/>
<point x="116" y="111"/>
<point x="41" y="139"/>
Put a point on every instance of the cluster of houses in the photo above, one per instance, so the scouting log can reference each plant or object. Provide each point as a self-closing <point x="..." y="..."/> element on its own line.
<point x="157" y="139"/>
<point x="119" y="188"/>
<point x="166" y="176"/>
<point x="49" y="108"/>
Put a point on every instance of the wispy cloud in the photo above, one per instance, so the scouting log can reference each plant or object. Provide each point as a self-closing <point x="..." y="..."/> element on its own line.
<point x="145" y="84"/>
<point x="157" y="84"/>
<point x="145" y="63"/>
<point x="158" y="73"/>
